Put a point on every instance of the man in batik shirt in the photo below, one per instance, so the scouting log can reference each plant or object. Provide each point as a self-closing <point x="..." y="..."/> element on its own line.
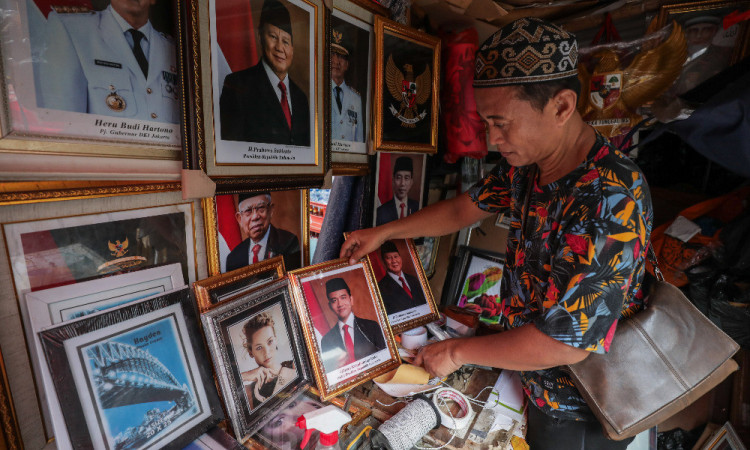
<point x="580" y="225"/>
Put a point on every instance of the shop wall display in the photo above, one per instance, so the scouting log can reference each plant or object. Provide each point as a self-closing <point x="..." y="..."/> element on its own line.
<point x="171" y="401"/>
<point x="475" y="283"/>
<point x="327" y="293"/>
<point x="352" y="56"/>
<point x="99" y="104"/>
<point x="33" y="431"/>
<point x="242" y="128"/>
<point x="259" y="355"/>
<point x="281" y="432"/>
<point x="400" y="181"/>
<point x="230" y="233"/>
<point x="407" y="80"/>
<point x="48" y="307"/>
<point x="216" y="289"/>
<point x="396" y="263"/>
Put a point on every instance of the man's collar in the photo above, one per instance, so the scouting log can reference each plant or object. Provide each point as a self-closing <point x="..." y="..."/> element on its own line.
<point x="145" y="29"/>
<point x="264" y="240"/>
<point x="394" y="276"/>
<point x="272" y="75"/>
<point x="349" y="321"/>
<point x="333" y="84"/>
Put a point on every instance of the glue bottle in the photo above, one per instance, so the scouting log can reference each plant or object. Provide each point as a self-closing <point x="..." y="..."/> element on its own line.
<point x="328" y="420"/>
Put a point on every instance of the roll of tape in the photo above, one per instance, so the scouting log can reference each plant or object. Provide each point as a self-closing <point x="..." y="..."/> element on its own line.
<point x="414" y="339"/>
<point x="456" y="421"/>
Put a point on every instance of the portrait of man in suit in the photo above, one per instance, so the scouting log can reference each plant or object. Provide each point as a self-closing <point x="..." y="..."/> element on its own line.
<point x="400" y="290"/>
<point x="261" y="103"/>
<point x="351" y="338"/>
<point x="263" y="241"/>
<point x="111" y="62"/>
<point x="400" y="205"/>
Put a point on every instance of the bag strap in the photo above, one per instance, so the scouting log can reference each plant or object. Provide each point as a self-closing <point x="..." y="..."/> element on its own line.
<point x="654" y="262"/>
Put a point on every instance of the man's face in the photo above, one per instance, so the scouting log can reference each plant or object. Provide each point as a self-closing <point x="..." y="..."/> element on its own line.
<point x="393" y="262"/>
<point x="340" y="303"/>
<point x="254" y="216"/>
<point x="402" y="181"/>
<point x="523" y="135"/>
<point x="339" y="66"/>
<point x="277" y="49"/>
<point x="700" y="35"/>
<point x="132" y="7"/>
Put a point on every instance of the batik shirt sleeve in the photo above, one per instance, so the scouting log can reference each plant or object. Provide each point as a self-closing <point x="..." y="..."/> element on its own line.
<point x="492" y="193"/>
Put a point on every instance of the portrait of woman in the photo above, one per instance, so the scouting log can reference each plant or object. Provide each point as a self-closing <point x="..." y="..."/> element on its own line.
<point x="273" y="371"/>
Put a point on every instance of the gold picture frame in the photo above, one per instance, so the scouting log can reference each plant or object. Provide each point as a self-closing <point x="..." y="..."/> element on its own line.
<point x="405" y="311"/>
<point x="33" y="431"/>
<point x="219" y="288"/>
<point x="47" y="133"/>
<point x="405" y="116"/>
<point x="372" y="350"/>
<point x="217" y="208"/>
<point x="235" y="160"/>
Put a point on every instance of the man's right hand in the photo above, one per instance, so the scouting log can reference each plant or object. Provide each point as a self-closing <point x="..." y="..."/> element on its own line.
<point x="362" y="242"/>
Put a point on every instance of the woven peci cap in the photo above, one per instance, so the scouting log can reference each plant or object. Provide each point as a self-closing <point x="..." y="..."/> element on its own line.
<point x="527" y="50"/>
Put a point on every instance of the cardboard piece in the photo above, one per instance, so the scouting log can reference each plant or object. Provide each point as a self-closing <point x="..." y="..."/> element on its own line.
<point x="196" y="184"/>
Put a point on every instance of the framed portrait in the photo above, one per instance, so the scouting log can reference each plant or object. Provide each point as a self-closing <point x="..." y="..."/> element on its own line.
<point x="260" y="107"/>
<point x="475" y="283"/>
<point x="215" y="439"/>
<point x="242" y="229"/>
<point x="352" y="46"/>
<point x="76" y="85"/>
<point x="403" y="285"/>
<point x="399" y="186"/>
<point x="407" y="88"/>
<point x="281" y="432"/>
<point x="41" y="309"/>
<point x="10" y="436"/>
<point x="259" y="355"/>
<point x="218" y="288"/>
<point x="69" y="249"/>
<point x="135" y="376"/>
<point x="344" y="323"/>
<point x="711" y="47"/>
<point x="428" y="251"/>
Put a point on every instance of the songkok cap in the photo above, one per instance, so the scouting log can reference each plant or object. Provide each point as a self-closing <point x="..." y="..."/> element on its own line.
<point x="336" y="284"/>
<point x="244" y="196"/>
<point x="387" y="247"/>
<point x="702" y="19"/>
<point x="276" y="14"/>
<point x="337" y="43"/>
<point x="527" y="50"/>
<point x="403" y="163"/>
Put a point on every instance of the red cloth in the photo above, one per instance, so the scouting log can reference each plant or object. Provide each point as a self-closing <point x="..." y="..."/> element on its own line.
<point x="236" y="34"/>
<point x="229" y="229"/>
<point x="464" y="130"/>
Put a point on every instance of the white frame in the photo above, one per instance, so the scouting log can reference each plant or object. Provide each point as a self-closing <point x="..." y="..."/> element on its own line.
<point x="37" y="310"/>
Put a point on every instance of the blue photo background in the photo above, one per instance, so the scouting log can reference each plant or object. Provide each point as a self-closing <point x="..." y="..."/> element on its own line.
<point x="142" y="382"/>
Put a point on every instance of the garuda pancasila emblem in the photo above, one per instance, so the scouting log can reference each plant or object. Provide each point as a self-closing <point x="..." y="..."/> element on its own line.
<point x="118" y="249"/>
<point x="408" y="91"/>
<point x="611" y="93"/>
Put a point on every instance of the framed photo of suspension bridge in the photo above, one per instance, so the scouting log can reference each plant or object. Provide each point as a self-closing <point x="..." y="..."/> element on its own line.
<point x="137" y="376"/>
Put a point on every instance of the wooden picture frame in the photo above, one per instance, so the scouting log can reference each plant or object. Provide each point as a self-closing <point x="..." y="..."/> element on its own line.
<point x="407" y="88"/>
<point x="475" y="283"/>
<point x="352" y="56"/>
<point x="42" y="309"/>
<point x="724" y="438"/>
<point x="263" y="318"/>
<point x="34" y="433"/>
<point x="281" y="432"/>
<point x="257" y="154"/>
<point x="45" y="128"/>
<point x="228" y="238"/>
<point x="406" y="310"/>
<point x="355" y="296"/>
<point x="428" y="251"/>
<point x="166" y="381"/>
<point x="400" y="180"/>
<point x="219" y="288"/>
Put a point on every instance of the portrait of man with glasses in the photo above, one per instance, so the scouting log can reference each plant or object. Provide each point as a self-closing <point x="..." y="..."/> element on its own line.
<point x="261" y="240"/>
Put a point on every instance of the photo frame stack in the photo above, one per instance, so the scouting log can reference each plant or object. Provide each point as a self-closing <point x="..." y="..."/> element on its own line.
<point x="475" y="282"/>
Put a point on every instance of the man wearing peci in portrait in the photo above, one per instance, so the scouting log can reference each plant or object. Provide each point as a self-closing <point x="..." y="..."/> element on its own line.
<point x="351" y="338"/>
<point x="263" y="241"/>
<point x="400" y="205"/>
<point x="400" y="290"/>
<point x="261" y="103"/>
<point x="347" y="121"/>
<point x="111" y="62"/>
